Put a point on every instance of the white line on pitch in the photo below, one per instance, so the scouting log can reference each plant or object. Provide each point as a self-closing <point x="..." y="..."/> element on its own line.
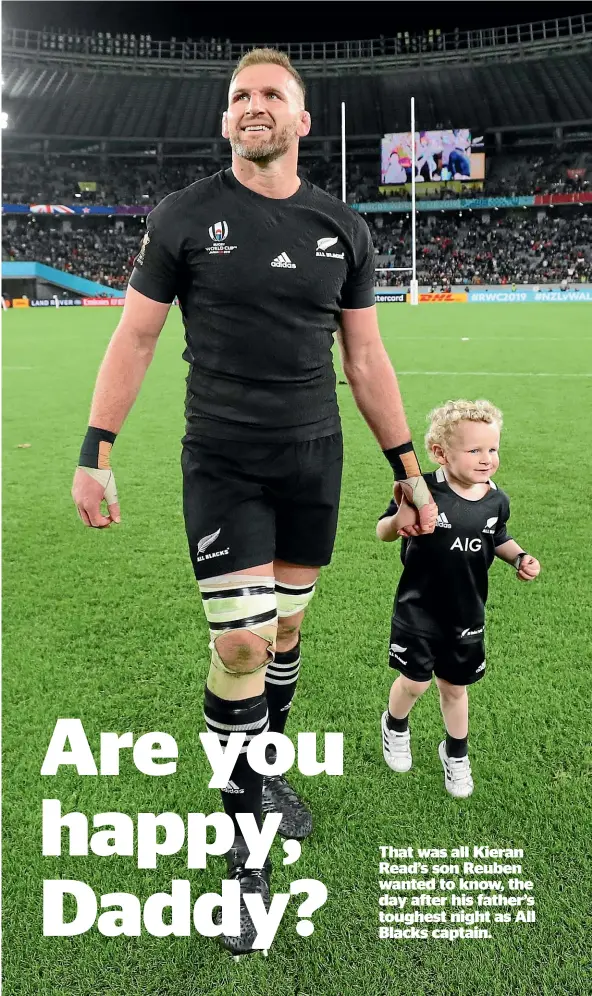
<point x="482" y="373"/>
<point x="502" y="338"/>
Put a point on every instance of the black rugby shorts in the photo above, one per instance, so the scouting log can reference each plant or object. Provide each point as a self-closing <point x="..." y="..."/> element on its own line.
<point x="418" y="657"/>
<point x="247" y="504"/>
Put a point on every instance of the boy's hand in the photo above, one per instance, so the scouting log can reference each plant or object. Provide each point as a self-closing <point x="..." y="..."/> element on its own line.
<point x="529" y="569"/>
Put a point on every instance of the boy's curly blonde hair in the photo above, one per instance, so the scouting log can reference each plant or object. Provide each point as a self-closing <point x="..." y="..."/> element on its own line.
<point x="444" y="419"/>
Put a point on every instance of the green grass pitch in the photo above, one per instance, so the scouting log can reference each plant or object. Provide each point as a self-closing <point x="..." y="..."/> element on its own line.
<point x="107" y="626"/>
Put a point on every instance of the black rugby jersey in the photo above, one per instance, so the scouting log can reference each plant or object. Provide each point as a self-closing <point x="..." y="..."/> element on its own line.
<point x="443" y="588"/>
<point x="261" y="283"/>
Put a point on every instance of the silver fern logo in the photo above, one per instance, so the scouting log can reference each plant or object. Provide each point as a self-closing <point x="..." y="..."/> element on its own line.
<point x="326" y="243"/>
<point x="140" y="257"/>
<point x="206" y="541"/>
<point x="490" y="525"/>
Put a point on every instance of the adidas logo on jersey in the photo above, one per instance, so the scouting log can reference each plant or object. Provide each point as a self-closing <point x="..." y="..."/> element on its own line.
<point x="233" y="789"/>
<point x="490" y="525"/>
<point x="443" y="521"/>
<point x="284" y="261"/>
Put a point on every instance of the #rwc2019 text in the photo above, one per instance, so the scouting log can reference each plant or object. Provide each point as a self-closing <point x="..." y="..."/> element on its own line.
<point x="155" y="835"/>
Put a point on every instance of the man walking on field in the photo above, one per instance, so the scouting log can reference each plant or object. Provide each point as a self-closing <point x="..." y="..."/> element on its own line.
<point x="266" y="268"/>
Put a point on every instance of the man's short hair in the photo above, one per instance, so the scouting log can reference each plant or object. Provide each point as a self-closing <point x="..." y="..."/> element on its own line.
<point x="265" y="57"/>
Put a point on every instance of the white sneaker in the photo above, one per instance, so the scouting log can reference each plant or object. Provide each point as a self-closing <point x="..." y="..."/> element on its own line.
<point x="396" y="747"/>
<point x="457" y="773"/>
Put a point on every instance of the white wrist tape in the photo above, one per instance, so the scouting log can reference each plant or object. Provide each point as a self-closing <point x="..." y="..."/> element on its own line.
<point x="106" y="479"/>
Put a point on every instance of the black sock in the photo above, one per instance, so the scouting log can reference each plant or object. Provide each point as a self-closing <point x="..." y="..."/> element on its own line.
<point x="249" y="716"/>
<point x="398" y="725"/>
<point x="457" y="746"/>
<point x="280" y="685"/>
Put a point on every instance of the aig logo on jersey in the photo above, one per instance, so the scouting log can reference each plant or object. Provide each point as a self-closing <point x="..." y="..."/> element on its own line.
<point x="467" y="545"/>
<point x="324" y="244"/>
<point x="490" y="525"/>
<point x="218" y="233"/>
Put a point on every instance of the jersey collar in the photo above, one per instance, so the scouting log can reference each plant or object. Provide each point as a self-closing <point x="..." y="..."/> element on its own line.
<point x="441" y="479"/>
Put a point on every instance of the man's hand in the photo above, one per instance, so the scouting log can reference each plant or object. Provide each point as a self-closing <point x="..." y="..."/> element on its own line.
<point x="418" y="495"/>
<point x="529" y="569"/>
<point x="406" y="515"/>
<point x="89" y="488"/>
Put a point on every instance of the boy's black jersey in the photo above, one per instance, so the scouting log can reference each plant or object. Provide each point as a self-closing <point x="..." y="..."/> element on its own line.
<point x="261" y="283"/>
<point x="443" y="588"/>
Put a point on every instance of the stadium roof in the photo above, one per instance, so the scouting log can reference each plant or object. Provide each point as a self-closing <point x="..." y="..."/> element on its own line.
<point x="248" y="22"/>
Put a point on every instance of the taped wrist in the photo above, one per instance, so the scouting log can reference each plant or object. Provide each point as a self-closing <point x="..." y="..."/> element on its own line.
<point x="518" y="560"/>
<point x="96" y="448"/>
<point x="404" y="461"/>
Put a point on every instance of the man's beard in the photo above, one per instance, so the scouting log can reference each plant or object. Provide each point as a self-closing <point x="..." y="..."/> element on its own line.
<point x="266" y="151"/>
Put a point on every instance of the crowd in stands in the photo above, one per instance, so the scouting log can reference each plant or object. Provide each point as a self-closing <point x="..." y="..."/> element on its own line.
<point x="55" y="180"/>
<point x="452" y="249"/>
<point x="483" y="249"/>
<point x="97" y="252"/>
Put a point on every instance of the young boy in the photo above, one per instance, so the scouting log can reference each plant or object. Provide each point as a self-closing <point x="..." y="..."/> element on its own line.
<point x="439" y="613"/>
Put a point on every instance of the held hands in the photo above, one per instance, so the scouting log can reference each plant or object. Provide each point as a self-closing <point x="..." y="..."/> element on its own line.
<point x="89" y="488"/>
<point x="417" y="511"/>
<point x="529" y="568"/>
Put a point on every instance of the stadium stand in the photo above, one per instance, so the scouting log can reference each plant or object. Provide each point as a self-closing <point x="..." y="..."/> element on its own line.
<point x="50" y="101"/>
<point x="123" y="120"/>
<point x="456" y="250"/>
<point x="55" y="179"/>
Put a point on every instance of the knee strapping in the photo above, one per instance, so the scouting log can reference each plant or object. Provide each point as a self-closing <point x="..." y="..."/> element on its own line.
<point x="292" y="598"/>
<point x="240" y="601"/>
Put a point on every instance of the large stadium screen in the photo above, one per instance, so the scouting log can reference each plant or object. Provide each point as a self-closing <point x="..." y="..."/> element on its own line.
<point x="439" y="155"/>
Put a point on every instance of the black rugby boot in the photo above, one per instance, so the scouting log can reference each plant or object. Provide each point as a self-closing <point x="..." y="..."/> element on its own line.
<point x="250" y="880"/>
<point x="280" y="797"/>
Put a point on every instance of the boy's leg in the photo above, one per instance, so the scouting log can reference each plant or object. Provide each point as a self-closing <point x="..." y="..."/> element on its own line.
<point x="404" y="694"/>
<point x="458" y="665"/>
<point x="413" y="657"/>
<point x="454" y="703"/>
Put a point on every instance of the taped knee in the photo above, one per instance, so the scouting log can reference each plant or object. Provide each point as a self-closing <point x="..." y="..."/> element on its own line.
<point x="238" y="602"/>
<point x="292" y="598"/>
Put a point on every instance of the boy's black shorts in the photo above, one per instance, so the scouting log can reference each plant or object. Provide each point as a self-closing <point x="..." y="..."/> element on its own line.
<point x="418" y="657"/>
<point x="246" y="504"/>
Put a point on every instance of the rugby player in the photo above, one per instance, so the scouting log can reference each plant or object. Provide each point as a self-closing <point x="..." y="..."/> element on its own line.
<point x="266" y="267"/>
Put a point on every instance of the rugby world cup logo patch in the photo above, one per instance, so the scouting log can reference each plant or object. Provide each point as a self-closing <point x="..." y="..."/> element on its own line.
<point x="218" y="231"/>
